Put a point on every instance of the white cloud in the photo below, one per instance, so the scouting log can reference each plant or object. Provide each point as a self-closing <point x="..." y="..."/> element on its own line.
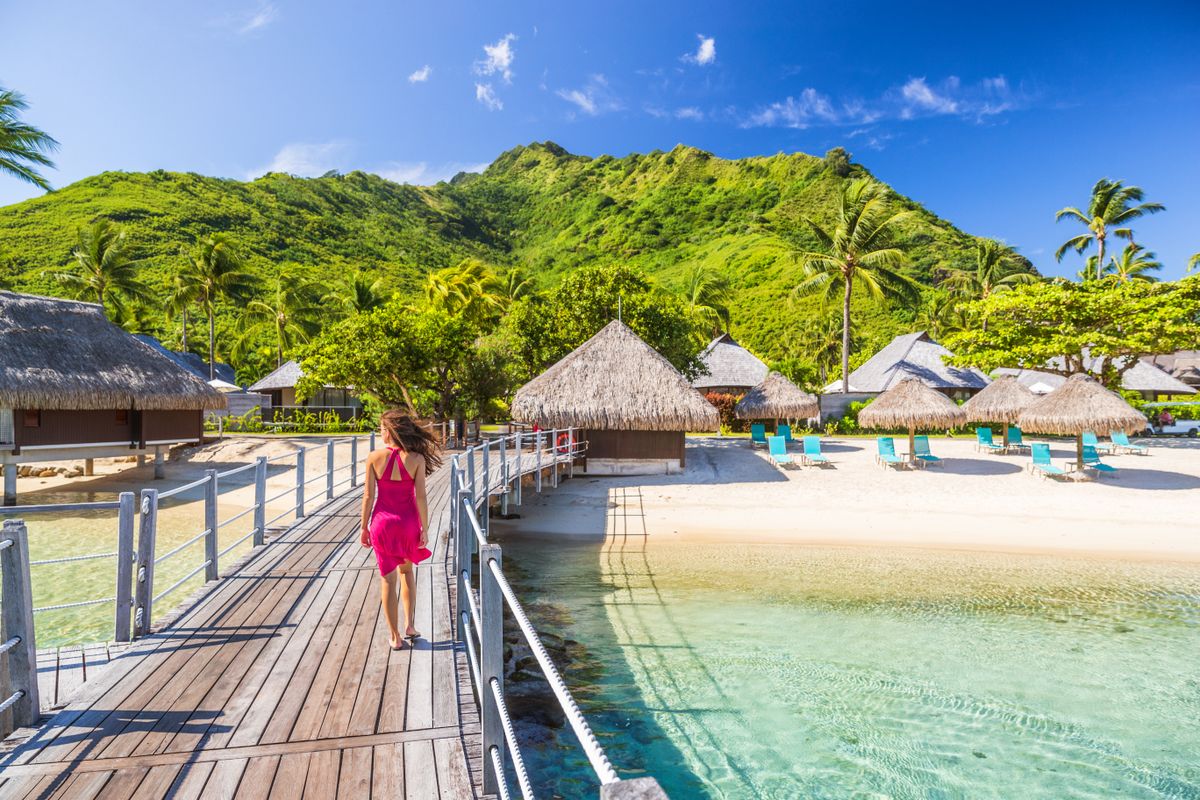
<point x="921" y="97"/>
<point x="810" y="107"/>
<point x="421" y="173"/>
<point x="706" y="52"/>
<point x="421" y="75"/>
<point x="264" y="15"/>
<point x="586" y="104"/>
<point x="689" y="112"/>
<point x="593" y="98"/>
<point x="499" y="59"/>
<point x="485" y="95"/>
<point x="304" y="159"/>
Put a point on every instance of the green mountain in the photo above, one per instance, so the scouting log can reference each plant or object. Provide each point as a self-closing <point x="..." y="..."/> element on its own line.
<point x="537" y="206"/>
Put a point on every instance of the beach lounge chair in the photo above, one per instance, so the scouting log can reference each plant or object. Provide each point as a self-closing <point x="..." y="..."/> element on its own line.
<point x="785" y="431"/>
<point x="1015" y="440"/>
<point x="812" y="451"/>
<point x="1090" y="440"/>
<point x="922" y="454"/>
<point x="983" y="441"/>
<point x="758" y="434"/>
<point x="886" y="455"/>
<point x="1120" y="441"/>
<point x="777" y="447"/>
<point x="1040" y="463"/>
<point x="1091" y="460"/>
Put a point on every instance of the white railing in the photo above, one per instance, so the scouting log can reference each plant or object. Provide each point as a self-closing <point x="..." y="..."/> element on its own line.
<point x="483" y="598"/>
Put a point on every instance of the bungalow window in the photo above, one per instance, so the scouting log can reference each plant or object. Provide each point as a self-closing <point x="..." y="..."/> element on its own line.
<point x="122" y="417"/>
<point x="33" y="419"/>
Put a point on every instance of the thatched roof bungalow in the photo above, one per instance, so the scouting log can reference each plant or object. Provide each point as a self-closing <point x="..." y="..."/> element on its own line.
<point x="634" y="407"/>
<point x="777" y="398"/>
<point x="280" y="386"/>
<point x="1081" y="404"/>
<point x="74" y="385"/>
<point x="1146" y="378"/>
<point x="190" y="361"/>
<point x="731" y="368"/>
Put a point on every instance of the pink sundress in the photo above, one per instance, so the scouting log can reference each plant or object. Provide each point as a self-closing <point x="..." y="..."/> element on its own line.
<point x="395" y="522"/>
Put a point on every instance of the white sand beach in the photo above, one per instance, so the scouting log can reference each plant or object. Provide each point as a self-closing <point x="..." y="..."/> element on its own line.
<point x="1149" y="509"/>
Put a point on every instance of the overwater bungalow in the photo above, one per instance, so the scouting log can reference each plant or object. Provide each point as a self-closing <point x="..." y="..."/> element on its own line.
<point x="632" y="403"/>
<point x="731" y="368"/>
<point x="280" y="387"/>
<point x="913" y="355"/>
<point x="75" y="386"/>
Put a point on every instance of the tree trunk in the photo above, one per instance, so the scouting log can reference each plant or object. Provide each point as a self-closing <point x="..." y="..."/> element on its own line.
<point x="212" y="345"/>
<point x="412" y="411"/>
<point x="846" y="337"/>
<point x="1100" y="262"/>
<point x="184" y="337"/>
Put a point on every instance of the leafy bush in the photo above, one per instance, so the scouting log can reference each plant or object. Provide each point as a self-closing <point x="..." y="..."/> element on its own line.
<point x="724" y="404"/>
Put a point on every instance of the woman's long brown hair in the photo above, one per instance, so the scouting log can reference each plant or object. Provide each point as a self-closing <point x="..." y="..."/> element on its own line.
<point x="404" y="431"/>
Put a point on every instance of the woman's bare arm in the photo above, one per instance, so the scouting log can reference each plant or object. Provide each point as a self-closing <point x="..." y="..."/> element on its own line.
<point x="422" y="500"/>
<point x="368" y="502"/>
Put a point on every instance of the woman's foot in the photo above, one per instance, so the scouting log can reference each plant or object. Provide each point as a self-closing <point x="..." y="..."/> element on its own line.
<point x="396" y="641"/>
<point x="412" y="633"/>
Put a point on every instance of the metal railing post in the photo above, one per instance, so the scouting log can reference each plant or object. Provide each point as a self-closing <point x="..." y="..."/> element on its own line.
<point x="299" y="484"/>
<point x="463" y="547"/>
<point x="503" y="476"/>
<point x="144" y="594"/>
<point x="554" y="444"/>
<point x="491" y="659"/>
<point x="571" y="451"/>
<point x="537" y="442"/>
<point x="371" y="441"/>
<point x="329" y="470"/>
<point x="210" y="525"/>
<point x="485" y="521"/>
<point x="260" y="502"/>
<point x="16" y="622"/>
<point x="353" y="462"/>
<point x="471" y="470"/>
<point x="125" y="557"/>
<point x="520" y="467"/>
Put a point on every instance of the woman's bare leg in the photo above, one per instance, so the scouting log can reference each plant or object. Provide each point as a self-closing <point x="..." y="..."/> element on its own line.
<point x="388" y="597"/>
<point x="408" y="594"/>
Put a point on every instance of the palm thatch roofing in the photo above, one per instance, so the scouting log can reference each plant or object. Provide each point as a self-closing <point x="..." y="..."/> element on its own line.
<point x="777" y="398"/>
<point x="1081" y="404"/>
<point x="66" y="355"/>
<point x="729" y="365"/>
<point x="614" y="381"/>
<point x="912" y="404"/>
<point x="913" y="355"/>
<point x="1002" y="400"/>
<point x="285" y="376"/>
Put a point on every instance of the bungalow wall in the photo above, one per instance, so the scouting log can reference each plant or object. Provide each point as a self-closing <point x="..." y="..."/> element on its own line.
<point x="55" y="427"/>
<point x="625" y="452"/>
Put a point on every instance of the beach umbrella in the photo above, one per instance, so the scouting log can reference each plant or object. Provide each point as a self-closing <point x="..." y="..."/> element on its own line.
<point x="1081" y="404"/>
<point x="911" y="404"/>
<point x="777" y="398"/>
<point x="1002" y="400"/>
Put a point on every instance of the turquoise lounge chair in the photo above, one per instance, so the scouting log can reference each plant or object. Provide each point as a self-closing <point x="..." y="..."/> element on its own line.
<point x="1040" y="451"/>
<point x="1015" y="440"/>
<point x="1120" y="441"/>
<point x="785" y="431"/>
<point x="1090" y="440"/>
<point x="812" y="451"/>
<point x="921" y="451"/>
<point x="1091" y="460"/>
<point x="983" y="440"/>
<point x="778" y="450"/>
<point x="886" y="456"/>
<point x="758" y="434"/>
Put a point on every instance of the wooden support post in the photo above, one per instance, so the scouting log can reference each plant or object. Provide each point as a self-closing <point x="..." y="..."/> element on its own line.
<point x="260" y="502"/>
<point x="89" y="467"/>
<point x="353" y="462"/>
<point x="10" y="484"/>
<point x="491" y="659"/>
<point x="210" y="525"/>
<point x="300" y="484"/>
<point x="160" y="463"/>
<point x="16" y="616"/>
<point x="125" y="558"/>
<point x="141" y="460"/>
<point x="143" y="599"/>
<point x="329" y="470"/>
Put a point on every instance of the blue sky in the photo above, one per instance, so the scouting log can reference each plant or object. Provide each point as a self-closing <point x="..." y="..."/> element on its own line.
<point x="994" y="117"/>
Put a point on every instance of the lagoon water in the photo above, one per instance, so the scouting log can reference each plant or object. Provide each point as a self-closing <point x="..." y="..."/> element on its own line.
<point x="787" y="671"/>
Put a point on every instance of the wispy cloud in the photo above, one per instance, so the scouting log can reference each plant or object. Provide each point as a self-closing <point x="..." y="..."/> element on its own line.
<point x="500" y="57"/>
<point x="421" y="75"/>
<point x="421" y="173"/>
<point x="305" y="159"/>
<point x="261" y="17"/>
<point x="689" y="112"/>
<point x="810" y="107"/>
<point x="593" y="98"/>
<point x="486" y="95"/>
<point x="706" y="51"/>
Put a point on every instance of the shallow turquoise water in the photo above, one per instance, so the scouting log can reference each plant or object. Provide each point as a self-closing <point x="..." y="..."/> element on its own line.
<point x="783" y="671"/>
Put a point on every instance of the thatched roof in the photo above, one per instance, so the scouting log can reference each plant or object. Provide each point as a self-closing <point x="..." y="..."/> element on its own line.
<point x="614" y="381"/>
<point x="777" y="398"/>
<point x="285" y="376"/>
<point x="913" y="355"/>
<point x="1081" y="404"/>
<point x="64" y="354"/>
<point x="189" y="361"/>
<point x="1002" y="401"/>
<point x="729" y="364"/>
<point x="912" y="404"/>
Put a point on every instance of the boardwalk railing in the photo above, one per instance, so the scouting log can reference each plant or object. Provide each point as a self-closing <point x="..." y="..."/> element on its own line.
<point x="494" y="468"/>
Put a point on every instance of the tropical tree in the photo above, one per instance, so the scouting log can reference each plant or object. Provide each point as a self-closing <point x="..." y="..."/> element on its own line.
<point x="215" y="272"/>
<point x="1133" y="265"/>
<point x="515" y="283"/>
<point x="358" y="294"/>
<point x="469" y="288"/>
<point x="1110" y="210"/>
<point x="23" y="148"/>
<point x="1091" y="270"/>
<point x="997" y="269"/>
<point x="180" y="298"/>
<point x="707" y="297"/>
<point x="287" y="316"/>
<point x="104" y="269"/>
<point x="1193" y="262"/>
<point x="859" y="248"/>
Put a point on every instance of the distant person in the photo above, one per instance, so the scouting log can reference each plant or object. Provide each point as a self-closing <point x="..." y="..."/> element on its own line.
<point x="395" y="515"/>
<point x="1165" y="419"/>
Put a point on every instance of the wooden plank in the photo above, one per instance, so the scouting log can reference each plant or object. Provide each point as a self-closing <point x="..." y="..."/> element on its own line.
<point x="290" y="777"/>
<point x="354" y="780"/>
<point x="387" y="776"/>
<point x="420" y="771"/>
<point x="258" y="778"/>
<point x="123" y="783"/>
<point x="322" y="780"/>
<point x="350" y="678"/>
<point x="453" y="779"/>
<point x="419" y="713"/>
<point x="189" y="784"/>
<point x="224" y="779"/>
<point x="367" y="705"/>
<point x="83" y="786"/>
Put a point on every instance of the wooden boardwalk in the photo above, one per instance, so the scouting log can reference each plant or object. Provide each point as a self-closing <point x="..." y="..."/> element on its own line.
<point x="277" y="682"/>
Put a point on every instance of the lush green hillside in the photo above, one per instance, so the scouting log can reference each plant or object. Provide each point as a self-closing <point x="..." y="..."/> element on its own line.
<point x="536" y="206"/>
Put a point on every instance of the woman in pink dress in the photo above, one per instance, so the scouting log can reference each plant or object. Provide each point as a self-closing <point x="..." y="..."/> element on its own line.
<point x="395" y="514"/>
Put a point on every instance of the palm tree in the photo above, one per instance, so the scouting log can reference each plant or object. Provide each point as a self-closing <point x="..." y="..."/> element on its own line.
<point x="822" y="342"/>
<point x="515" y="283"/>
<point x="1133" y="264"/>
<point x="215" y="272"/>
<point x="358" y="294"/>
<point x="180" y="299"/>
<point x="1091" y="270"/>
<point x="1109" y="211"/>
<point x="1193" y="262"/>
<point x="104" y="269"/>
<point x="860" y="248"/>
<point x="468" y="288"/>
<point x="997" y="269"/>
<point x="23" y="148"/>
<point x="288" y="315"/>
<point x="707" y="296"/>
